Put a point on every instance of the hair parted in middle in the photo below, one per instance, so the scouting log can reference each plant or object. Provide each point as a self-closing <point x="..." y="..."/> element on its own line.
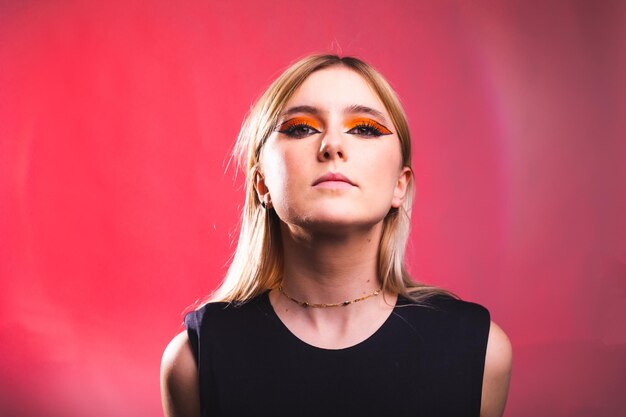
<point x="257" y="263"/>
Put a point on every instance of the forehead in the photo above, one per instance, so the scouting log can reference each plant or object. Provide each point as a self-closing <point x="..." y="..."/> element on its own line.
<point x="334" y="88"/>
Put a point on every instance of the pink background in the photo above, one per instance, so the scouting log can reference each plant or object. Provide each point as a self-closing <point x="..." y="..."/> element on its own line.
<point x="117" y="211"/>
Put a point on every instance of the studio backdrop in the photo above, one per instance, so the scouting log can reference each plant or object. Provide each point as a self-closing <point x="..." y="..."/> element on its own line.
<point x="119" y="209"/>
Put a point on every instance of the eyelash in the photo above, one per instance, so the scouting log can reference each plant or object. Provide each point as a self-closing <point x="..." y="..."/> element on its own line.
<point x="370" y="127"/>
<point x="372" y="130"/>
<point x="291" y="129"/>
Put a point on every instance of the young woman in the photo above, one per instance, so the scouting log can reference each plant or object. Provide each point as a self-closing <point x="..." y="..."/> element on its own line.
<point x="317" y="315"/>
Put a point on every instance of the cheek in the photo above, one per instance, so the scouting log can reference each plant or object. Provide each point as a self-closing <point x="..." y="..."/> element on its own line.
<point x="384" y="167"/>
<point x="278" y="169"/>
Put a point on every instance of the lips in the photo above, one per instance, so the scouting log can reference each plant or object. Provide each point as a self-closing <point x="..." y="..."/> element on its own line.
<point x="334" y="177"/>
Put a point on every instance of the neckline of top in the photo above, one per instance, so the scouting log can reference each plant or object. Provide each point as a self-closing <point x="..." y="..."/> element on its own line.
<point x="266" y="301"/>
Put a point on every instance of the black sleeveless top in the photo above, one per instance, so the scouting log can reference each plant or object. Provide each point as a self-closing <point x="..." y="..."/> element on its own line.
<point x="421" y="362"/>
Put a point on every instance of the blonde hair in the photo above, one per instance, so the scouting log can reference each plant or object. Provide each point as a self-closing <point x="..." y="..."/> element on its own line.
<point x="257" y="263"/>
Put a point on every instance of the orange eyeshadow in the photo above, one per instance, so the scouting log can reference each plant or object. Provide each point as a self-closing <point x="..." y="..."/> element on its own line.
<point x="368" y="122"/>
<point x="300" y="121"/>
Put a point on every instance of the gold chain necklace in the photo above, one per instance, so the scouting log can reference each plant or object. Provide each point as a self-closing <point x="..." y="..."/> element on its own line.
<point x="324" y="305"/>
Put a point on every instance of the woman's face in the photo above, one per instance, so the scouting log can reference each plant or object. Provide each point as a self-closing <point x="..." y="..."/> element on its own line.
<point x="335" y="160"/>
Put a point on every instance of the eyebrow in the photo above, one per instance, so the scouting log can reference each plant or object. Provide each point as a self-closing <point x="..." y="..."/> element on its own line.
<point x="352" y="109"/>
<point x="300" y="109"/>
<point x="356" y="108"/>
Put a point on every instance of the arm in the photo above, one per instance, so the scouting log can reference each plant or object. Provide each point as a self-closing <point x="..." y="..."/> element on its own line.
<point x="497" y="373"/>
<point x="179" y="379"/>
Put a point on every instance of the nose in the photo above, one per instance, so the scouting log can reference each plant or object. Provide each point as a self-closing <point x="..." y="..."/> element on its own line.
<point x="332" y="147"/>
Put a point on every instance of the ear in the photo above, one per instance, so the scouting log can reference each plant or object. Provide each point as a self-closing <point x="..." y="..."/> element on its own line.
<point x="402" y="186"/>
<point x="261" y="188"/>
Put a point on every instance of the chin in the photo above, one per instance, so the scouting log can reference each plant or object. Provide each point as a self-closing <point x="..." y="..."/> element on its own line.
<point x="335" y="218"/>
<point x="339" y="222"/>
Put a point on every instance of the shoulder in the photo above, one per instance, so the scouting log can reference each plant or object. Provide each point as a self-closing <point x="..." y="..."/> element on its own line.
<point x="498" y="364"/>
<point x="179" y="379"/>
<point x="441" y="307"/>
<point x="194" y="319"/>
<point x="209" y="326"/>
<point x="219" y="313"/>
<point x="442" y="302"/>
<point x="447" y="322"/>
<point x="451" y="304"/>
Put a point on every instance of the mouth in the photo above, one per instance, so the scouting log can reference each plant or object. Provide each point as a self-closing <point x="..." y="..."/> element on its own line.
<point x="333" y="178"/>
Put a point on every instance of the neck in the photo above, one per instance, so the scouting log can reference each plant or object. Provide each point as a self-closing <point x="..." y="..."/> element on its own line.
<point x="327" y="268"/>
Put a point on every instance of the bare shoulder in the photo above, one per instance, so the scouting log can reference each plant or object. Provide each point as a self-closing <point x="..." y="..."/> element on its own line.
<point x="498" y="363"/>
<point x="179" y="379"/>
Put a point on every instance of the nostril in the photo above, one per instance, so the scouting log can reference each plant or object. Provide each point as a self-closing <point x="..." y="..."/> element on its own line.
<point x="340" y="155"/>
<point x="326" y="155"/>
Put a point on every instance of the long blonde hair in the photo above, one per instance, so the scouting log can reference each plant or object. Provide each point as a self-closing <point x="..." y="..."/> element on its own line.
<point x="257" y="263"/>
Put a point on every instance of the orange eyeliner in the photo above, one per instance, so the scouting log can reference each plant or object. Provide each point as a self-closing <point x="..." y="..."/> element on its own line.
<point x="300" y="121"/>
<point x="360" y="121"/>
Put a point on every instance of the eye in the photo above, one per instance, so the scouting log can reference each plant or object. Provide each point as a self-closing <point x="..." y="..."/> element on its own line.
<point x="298" y="128"/>
<point x="363" y="130"/>
<point x="369" y="128"/>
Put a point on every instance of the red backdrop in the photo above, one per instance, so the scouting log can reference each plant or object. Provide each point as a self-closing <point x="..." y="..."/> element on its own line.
<point x="117" y="211"/>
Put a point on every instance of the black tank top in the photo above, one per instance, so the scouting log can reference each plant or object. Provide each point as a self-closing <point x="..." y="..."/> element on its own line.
<point x="423" y="361"/>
